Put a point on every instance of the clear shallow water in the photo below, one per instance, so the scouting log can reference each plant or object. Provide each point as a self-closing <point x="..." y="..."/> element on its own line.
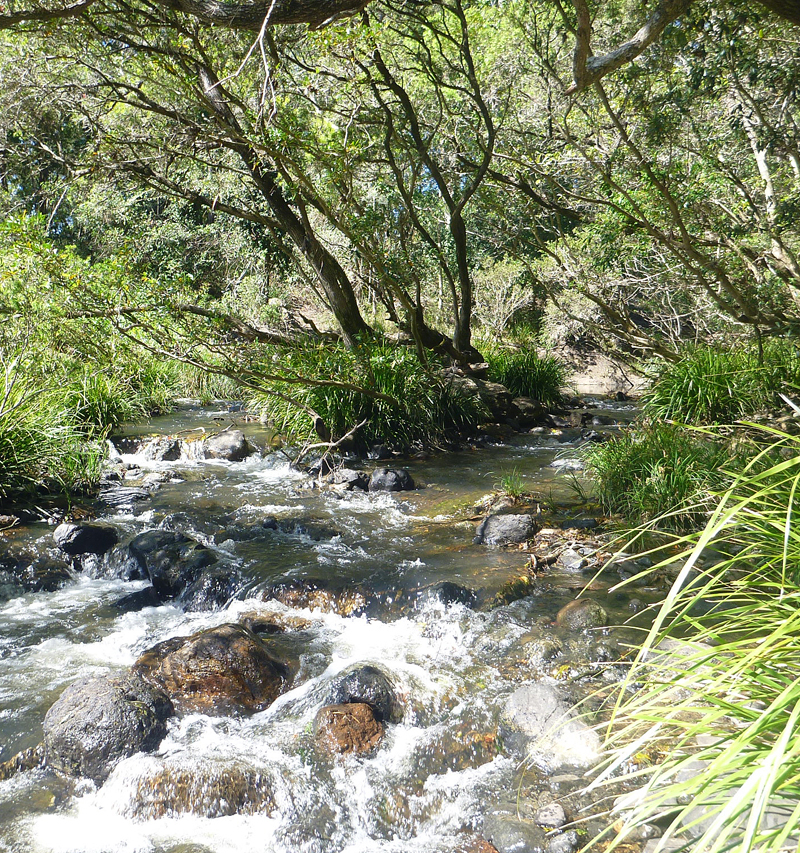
<point x="437" y="771"/>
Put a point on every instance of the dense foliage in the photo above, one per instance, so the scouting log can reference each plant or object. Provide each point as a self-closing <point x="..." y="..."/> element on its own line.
<point x="659" y="470"/>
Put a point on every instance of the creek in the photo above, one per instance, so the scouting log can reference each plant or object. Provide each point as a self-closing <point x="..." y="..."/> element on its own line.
<point x="374" y="564"/>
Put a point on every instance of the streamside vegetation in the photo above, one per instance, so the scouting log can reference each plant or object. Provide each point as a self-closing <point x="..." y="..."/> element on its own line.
<point x="201" y="197"/>
<point x="710" y="733"/>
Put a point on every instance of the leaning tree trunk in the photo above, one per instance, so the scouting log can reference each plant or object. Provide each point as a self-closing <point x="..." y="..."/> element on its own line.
<point x="333" y="279"/>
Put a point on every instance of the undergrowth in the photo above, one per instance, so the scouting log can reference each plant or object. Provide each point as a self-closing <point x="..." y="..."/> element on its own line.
<point x="384" y="389"/>
<point x="658" y="470"/>
<point x="720" y="385"/>
<point x="526" y="374"/>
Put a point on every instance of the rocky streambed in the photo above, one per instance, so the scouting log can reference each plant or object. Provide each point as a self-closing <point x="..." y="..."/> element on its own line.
<point x="228" y="654"/>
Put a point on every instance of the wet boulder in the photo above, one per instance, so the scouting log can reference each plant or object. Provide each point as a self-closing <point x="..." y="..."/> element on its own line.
<point x="44" y="574"/>
<point x="162" y="449"/>
<point x="581" y="615"/>
<point x="230" y="445"/>
<point x="506" y="529"/>
<point x="369" y="685"/>
<point x="350" y="479"/>
<point x="537" y="722"/>
<point x="99" y="721"/>
<point x="171" y="560"/>
<point x="177" y="785"/>
<point x="78" y="539"/>
<point x="391" y="480"/>
<point x="211" y="590"/>
<point x="318" y="594"/>
<point x="349" y="729"/>
<point x="224" y="670"/>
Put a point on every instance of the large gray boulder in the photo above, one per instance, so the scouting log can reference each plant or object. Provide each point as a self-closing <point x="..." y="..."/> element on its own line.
<point x="537" y="722"/>
<point x="171" y="560"/>
<point x="230" y="445"/>
<point x="506" y="529"/>
<point x="99" y="721"/>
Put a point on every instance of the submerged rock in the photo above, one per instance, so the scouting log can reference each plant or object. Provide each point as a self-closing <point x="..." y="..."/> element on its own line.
<point x="582" y="614"/>
<point x="391" y="480"/>
<point x="223" y="670"/>
<point x="506" y="529"/>
<point x="99" y="721"/>
<point x="230" y="445"/>
<point x="539" y="723"/>
<point x="317" y="594"/>
<point x="349" y="729"/>
<point x="369" y="685"/>
<point x="509" y="834"/>
<point x="28" y="759"/>
<point x="77" y="539"/>
<point x="177" y="785"/>
<point x="448" y="592"/>
<point x="171" y="560"/>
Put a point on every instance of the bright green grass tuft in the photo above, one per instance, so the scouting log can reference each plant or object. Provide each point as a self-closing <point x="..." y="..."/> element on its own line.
<point x="384" y="388"/>
<point x="527" y="374"/>
<point x="724" y="713"/>
<point x="715" y="385"/>
<point x="658" y="470"/>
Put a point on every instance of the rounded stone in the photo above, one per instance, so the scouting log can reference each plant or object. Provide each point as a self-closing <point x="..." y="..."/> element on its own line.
<point x="349" y="729"/>
<point x="582" y="614"/>
<point x="390" y="480"/>
<point x="369" y="685"/>
<point x="223" y="670"/>
<point x="99" y="721"/>
<point x="77" y="539"/>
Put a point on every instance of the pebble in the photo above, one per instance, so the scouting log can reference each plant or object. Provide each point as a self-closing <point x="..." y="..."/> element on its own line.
<point x="551" y="816"/>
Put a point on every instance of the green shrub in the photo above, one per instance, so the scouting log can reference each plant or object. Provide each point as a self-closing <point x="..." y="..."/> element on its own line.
<point x="386" y="387"/>
<point x="724" y="713"/>
<point x="526" y="374"/>
<point x="714" y="385"/>
<point x="657" y="470"/>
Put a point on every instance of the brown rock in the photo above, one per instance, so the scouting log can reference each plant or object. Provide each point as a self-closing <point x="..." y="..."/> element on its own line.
<point x="315" y="595"/>
<point x="223" y="670"/>
<point x="581" y="614"/>
<point x="345" y="729"/>
<point x="28" y="759"/>
<point x="167" y="787"/>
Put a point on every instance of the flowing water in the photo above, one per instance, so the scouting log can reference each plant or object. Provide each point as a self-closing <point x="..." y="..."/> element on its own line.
<point x="437" y="771"/>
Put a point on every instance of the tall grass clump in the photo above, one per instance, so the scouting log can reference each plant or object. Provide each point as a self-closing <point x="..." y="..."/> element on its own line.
<point x="386" y="389"/>
<point x="41" y="447"/>
<point x="527" y="374"/>
<point x="658" y="470"/>
<point x="723" y="710"/>
<point x="717" y="385"/>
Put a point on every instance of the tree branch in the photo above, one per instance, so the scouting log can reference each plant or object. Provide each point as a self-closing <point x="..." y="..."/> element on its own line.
<point x="587" y="69"/>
